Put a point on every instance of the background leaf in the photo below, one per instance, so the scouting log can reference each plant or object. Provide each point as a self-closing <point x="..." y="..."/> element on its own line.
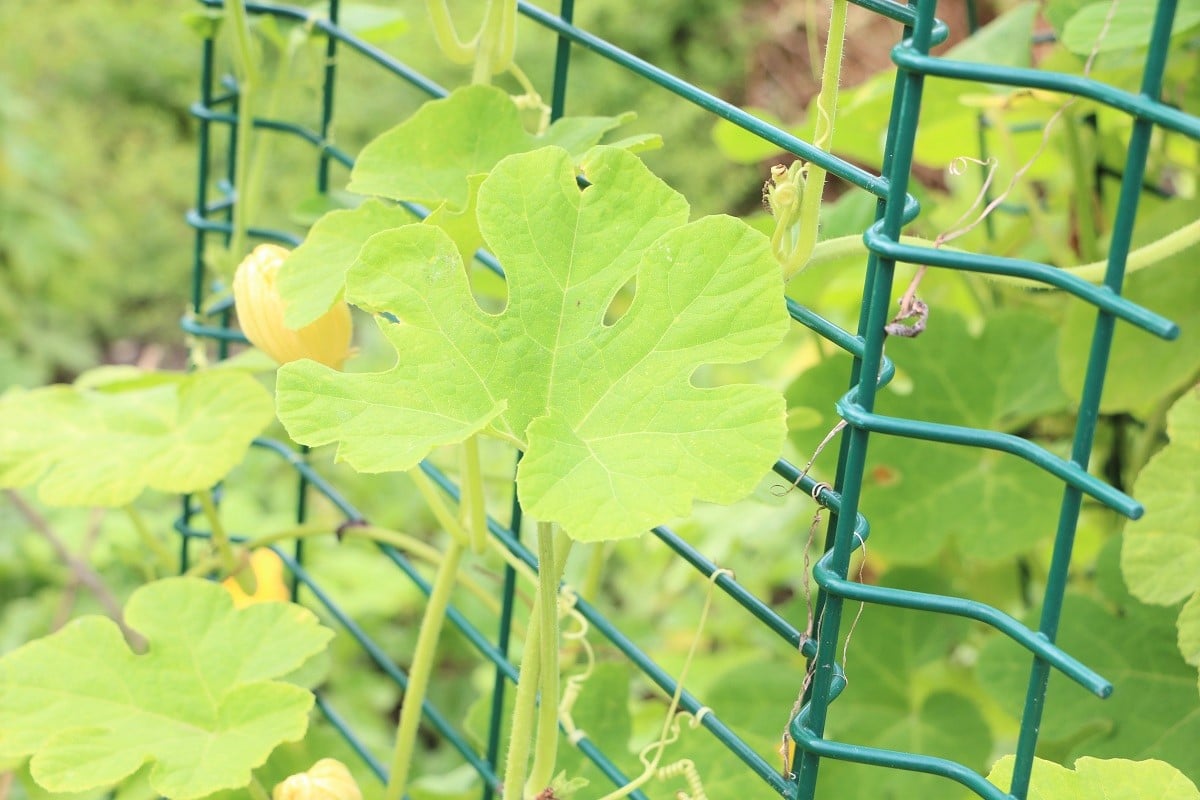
<point x="1153" y="711"/>
<point x="1110" y="779"/>
<point x="201" y="703"/>
<point x="918" y="494"/>
<point x="104" y="446"/>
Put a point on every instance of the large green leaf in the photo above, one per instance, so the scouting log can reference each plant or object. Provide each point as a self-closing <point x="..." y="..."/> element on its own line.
<point x="1153" y="711"/>
<point x="1100" y="779"/>
<point x="616" y="436"/>
<point x="202" y="704"/>
<point x="918" y="495"/>
<point x="102" y="445"/>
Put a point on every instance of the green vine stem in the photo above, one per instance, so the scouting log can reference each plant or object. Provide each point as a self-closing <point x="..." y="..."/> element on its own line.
<point x="421" y="669"/>
<point x="810" y="203"/>
<point x="1174" y="243"/>
<point x="248" y="82"/>
<point x="536" y="726"/>
<point x="522" y="728"/>
<point x="1081" y="194"/>
<point x="491" y="50"/>
<point x="446" y="35"/>
<point x="257" y="790"/>
<point x="545" y="752"/>
<point x="433" y="498"/>
<point x="228" y="560"/>
<point x="473" y="505"/>
<point x="165" y="560"/>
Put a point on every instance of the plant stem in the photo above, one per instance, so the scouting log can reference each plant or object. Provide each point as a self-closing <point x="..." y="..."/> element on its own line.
<point x="421" y="669"/>
<point x="1174" y="243"/>
<point x="437" y="504"/>
<point x="257" y="790"/>
<point x="80" y="569"/>
<point x="521" y="733"/>
<point x="594" y="574"/>
<point x="447" y="37"/>
<point x="1081" y="193"/>
<point x="546" y="745"/>
<point x="164" y="557"/>
<point x="229" y="563"/>
<point x="248" y="80"/>
<point x="473" y="503"/>
<point x="814" y="186"/>
<point x="490" y="47"/>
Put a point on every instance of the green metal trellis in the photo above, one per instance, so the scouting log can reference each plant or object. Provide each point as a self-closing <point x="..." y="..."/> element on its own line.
<point x="848" y="528"/>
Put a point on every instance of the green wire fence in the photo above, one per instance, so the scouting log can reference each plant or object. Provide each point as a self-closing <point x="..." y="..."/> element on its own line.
<point x="848" y="529"/>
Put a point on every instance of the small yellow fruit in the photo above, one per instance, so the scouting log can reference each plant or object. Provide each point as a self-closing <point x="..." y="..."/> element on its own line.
<point x="328" y="779"/>
<point x="268" y="575"/>
<point x="260" y="314"/>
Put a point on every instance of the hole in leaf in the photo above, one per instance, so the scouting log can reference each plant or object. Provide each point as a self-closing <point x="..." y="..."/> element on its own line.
<point x="620" y="302"/>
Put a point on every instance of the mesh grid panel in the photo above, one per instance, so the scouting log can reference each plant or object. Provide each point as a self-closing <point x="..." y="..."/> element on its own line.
<point x="217" y="113"/>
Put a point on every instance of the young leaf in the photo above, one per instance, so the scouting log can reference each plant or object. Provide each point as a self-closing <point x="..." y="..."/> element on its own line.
<point x="428" y="157"/>
<point x="314" y="274"/>
<point x="203" y="704"/>
<point x="1111" y="779"/>
<point x="616" y="436"/>
<point x="104" y="445"/>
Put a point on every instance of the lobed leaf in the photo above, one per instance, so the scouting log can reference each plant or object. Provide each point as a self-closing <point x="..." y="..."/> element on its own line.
<point x="617" y="437"/>
<point x="103" y="445"/>
<point x="203" y="704"/>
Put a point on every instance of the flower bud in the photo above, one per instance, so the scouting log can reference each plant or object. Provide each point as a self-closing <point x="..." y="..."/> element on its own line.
<point x="328" y="779"/>
<point x="268" y="582"/>
<point x="260" y="314"/>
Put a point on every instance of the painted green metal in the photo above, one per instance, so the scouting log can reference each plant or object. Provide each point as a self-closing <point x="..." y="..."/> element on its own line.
<point x="848" y="529"/>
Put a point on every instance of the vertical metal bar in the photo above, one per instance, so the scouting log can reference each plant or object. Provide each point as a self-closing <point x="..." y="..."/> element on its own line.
<point x="301" y="516"/>
<point x="507" y="603"/>
<point x="327" y="97"/>
<point x="856" y="367"/>
<point x="202" y="174"/>
<point x="562" y="63"/>
<point x="1089" y="404"/>
<point x="872" y="323"/>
